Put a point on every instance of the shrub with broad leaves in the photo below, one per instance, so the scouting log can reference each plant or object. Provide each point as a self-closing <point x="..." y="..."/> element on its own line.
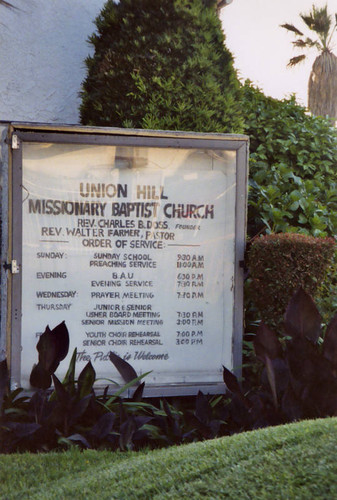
<point x="299" y="378"/>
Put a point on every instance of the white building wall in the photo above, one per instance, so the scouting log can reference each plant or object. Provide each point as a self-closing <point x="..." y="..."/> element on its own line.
<point x="43" y="45"/>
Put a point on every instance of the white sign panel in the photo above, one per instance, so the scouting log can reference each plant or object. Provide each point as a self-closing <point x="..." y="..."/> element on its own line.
<point x="134" y="248"/>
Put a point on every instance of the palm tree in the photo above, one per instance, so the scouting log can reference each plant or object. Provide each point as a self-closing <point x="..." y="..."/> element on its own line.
<point x="322" y="87"/>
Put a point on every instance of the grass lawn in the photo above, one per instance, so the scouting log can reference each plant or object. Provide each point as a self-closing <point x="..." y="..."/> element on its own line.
<point x="297" y="461"/>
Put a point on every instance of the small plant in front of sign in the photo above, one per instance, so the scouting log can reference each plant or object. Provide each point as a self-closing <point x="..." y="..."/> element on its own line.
<point x="15" y="424"/>
<point x="71" y="413"/>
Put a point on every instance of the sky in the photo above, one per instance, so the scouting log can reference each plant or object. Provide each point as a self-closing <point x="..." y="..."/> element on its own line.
<point x="262" y="49"/>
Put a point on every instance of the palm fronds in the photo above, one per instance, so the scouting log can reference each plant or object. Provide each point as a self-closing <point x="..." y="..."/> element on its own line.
<point x="7" y="4"/>
<point x="322" y="87"/>
<point x="295" y="60"/>
<point x="318" y="20"/>
<point x="307" y="43"/>
<point x="299" y="43"/>
<point x="291" y="27"/>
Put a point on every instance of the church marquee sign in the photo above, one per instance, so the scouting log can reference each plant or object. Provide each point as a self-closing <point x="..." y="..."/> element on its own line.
<point x="135" y="239"/>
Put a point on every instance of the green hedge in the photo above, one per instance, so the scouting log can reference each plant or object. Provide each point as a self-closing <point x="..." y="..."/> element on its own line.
<point x="281" y="263"/>
<point x="161" y="64"/>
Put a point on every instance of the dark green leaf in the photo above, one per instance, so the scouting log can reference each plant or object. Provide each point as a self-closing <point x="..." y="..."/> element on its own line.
<point x="266" y="343"/>
<point x="86" y="380"/>
<point x="47" y="350"/>
<point x="203" y="410"/>
<point x="103" y="426"/>
<point x="125" y="387"/>
<point x="4" y="379"/>
<point x="167" y="409"/>
<point x="291" y="405"/>
<point x="138" y="394"/>
<point x="39" y="377"/>
<point x="69" y="379"/>
<point x="127" y="430"/>
<point x="78" y="438"/>
<point x="125" y="369"/>
<point x="233" y="386"/>
<point x="77" y="408"/>
<point x="231" y="381"/>
<point x="304" y="361"/>
<point x="52" y="347"/>
<point x="61" y="393"/>
<point x="271" y="380"/>
<point x="61" y="335"/>
<point x="330" y="342"/>
<point x="302" y="318"/>
<point x="22" y="430"/>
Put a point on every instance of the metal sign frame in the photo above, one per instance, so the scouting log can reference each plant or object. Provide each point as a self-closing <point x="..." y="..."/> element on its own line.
<point x="18" y="133"/>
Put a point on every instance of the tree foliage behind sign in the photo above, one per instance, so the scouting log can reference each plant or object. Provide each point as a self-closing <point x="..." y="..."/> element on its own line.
<point x="161" y="65"/>
<point x="293" y="161"/>
<point x="292" y="176"/>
